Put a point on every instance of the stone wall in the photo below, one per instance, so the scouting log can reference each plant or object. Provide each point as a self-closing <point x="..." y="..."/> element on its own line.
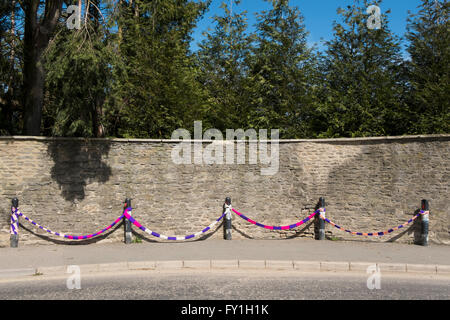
<point x="78" y="186"/>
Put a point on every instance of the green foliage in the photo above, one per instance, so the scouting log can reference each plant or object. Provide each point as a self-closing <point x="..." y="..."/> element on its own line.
<point x="281" y="67"/>
<point x="78" y="64"/>
<point x="223" y="63"/>
<point x="363" y="89"/>
<point x="129" y="72"/>
<point x="429" y="68"/>
<point x="137" y="239"/>
<point x="159" y="92"/>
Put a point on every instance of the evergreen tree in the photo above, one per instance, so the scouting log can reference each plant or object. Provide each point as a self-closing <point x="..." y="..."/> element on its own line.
<point x="158" y="92"/>
<point x="282" y="68"/>
<point x="79" y="76"/>
<point x="429" y="68"/>
<point x="363" y="83"/>
<point x="129" y="71"/>
<point x="223" y="59"/>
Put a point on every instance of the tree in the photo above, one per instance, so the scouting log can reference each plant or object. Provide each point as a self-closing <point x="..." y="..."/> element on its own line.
<point x="282" y="67"/>
<point x="363" y="83"/>
<point x="79" y="76"/>
<point x="158" y="92"/>
<point x="223" y="59"/>
<point x="38" y="32"/>
<point x="429" y="67"/>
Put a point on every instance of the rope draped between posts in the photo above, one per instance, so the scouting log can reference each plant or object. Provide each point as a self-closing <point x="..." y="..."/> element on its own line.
<point x="127" y="214"/>
<point x="60" y="234"/>
<point x="15" y="214"/>
<point x="370" y="234"/>
<point x="129" y="219"/>
<point x="288" y="227"/>
<point x="321" y="213"/>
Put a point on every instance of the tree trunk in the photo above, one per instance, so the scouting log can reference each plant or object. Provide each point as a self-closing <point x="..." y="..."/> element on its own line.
<point x="79" y="8"/>
<point x="97" y="126"/>
<point x="119" y="23"/>
<point x="36" y="39"/>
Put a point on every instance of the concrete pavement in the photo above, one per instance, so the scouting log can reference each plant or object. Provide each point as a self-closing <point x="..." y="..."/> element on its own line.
<point x="296" y="255"/>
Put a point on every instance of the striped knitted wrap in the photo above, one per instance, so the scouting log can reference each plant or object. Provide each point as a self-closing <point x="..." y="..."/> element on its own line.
<point x="14" y="227"/>
<point x="288" y="227"/>
<point x="127" y="215"/>
<point x="380" y="233"/>
<point x="15" y="214"/>
<point x="71" y="237"/>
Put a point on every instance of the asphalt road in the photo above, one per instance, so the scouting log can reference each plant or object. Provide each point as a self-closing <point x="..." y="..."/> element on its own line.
<point x="228" y="286"/>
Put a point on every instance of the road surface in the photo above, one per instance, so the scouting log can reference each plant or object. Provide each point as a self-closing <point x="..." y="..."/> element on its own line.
<point x="258" y="285"/>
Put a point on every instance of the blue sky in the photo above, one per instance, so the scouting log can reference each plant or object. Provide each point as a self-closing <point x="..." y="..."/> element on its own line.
<point x="319" y="16"/>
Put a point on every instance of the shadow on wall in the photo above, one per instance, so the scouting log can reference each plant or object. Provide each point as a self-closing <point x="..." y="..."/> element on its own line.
<point x="78" y="163"/>
<point x="382" y="178"/>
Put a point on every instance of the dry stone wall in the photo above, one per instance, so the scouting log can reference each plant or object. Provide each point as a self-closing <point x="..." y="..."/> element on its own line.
<point x="78" y="186"/>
